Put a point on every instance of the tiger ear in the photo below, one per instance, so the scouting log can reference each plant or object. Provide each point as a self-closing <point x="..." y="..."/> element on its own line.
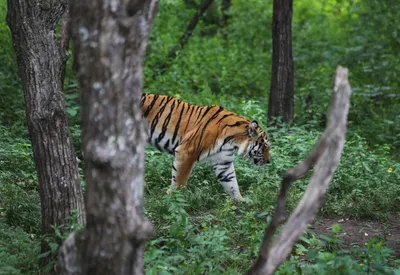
<point x="253" y="128"/>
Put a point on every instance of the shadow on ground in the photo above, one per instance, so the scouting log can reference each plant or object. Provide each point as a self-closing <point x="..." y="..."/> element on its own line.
<point x="357" y="233"/>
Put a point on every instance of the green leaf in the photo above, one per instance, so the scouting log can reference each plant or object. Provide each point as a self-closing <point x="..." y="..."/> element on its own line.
<point x="72" y="111"/>
<point x="312" y="254"/>
<point x="53" y="247"/>
<point x="44" y="255"/>
<point x="366" y="167"/>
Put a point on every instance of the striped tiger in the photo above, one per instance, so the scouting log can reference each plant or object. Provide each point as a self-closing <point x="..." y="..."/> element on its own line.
<point x="195" y="133"/>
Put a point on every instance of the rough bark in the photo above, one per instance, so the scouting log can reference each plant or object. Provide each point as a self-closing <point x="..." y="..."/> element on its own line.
<point x="41" y="62"/>
<point x="325" y="156"/>
<point x="109" y="40"/>
<point x="281" y="98"/>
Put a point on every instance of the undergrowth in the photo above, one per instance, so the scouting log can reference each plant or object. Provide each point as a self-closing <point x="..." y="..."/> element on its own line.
<point x="199" y="230"/>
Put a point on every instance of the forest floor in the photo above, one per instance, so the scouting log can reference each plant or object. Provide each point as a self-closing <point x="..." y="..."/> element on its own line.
<point x="358" y="232"/>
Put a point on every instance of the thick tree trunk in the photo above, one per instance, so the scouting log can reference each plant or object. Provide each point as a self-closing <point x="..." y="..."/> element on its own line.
<point x="281" y="98"/>
<point x="41" y="64"/>
<point x="110" y="39"/>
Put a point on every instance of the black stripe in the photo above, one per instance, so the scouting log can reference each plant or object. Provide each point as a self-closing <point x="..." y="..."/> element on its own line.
<point x="215" y="140"/>
<point x="143" y="99"/>
<point x="238" y="123"/>
<point x="190" y="116"/>
<point x="151" y="105"/>
<point x="158" y="146"/>
<point x="226" y="178"/>
<point x="208" y="109"/>
<point x="220" y="175"/>
<point x="166" y="122"/>
<point x="178" y="124"/>
<point x="162" y="101"/>
<point x="224" y="116"/>
<point x="158" y="115"/>
<point x="166" y="146"/>
<point x="215" y="115"/>
<point x="197" y="110"/>
<point x="227" y="139"/>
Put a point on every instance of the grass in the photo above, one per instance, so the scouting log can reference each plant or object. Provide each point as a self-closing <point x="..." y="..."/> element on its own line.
<point x="200" y="230"/>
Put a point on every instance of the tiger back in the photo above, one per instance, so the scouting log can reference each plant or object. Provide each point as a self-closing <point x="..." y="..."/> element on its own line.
<point x="195" y="133"/>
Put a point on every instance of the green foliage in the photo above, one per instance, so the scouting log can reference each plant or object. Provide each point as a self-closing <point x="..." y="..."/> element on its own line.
<point x="374" y="258"/>
<point x="18" y="185"/>
<point x="11" y="101"/>
<point x="199" y="230"/>
<point x="366" y="182"/>
<point x="61" y="233"/>
<point x="363" y="187"/>
<point x="18" y="250"/>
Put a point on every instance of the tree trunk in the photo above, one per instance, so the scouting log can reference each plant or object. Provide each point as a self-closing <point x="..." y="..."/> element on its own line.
<point x="109" y="41"/>
<point x="281" y="98"/>
<point x="41" y="64"/>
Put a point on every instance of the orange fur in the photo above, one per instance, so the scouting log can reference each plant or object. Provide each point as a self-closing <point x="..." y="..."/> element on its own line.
<point x="193" y="133"/>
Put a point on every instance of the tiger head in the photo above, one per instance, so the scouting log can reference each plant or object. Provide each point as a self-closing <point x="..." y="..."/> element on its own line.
<point x="257" y="146"/>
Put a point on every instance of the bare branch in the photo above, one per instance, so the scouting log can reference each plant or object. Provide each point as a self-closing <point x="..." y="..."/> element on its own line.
<point x="187" y="34"/>
<point x="325" y="155"/>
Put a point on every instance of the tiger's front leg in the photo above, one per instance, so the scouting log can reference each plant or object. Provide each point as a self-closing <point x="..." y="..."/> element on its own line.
<point x="182" y="167"/>
<point x="225" y="171"/>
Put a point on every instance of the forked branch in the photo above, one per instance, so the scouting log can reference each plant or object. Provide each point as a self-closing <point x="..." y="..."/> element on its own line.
<point x="325" y="155"/>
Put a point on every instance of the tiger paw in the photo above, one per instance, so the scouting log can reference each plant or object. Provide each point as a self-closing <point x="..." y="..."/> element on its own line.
<point x="239" y="198"/>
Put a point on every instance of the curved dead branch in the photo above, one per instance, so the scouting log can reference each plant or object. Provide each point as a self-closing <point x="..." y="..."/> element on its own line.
<point x="325" y="156"/>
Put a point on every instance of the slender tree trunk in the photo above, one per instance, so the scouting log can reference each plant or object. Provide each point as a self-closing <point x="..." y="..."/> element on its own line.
<point x="110" y="39"/>
<point x="281" y="98"/>
<point x="41" y="64"/>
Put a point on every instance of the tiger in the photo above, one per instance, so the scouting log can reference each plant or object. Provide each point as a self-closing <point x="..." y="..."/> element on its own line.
<point x="195" y="133"/>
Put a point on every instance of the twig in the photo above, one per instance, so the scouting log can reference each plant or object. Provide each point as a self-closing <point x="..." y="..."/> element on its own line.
<point x="186" y="35"/>
<point x="325" y="155"/>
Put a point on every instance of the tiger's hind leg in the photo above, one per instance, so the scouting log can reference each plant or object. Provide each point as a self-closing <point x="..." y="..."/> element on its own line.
<point x="225" y="171"/>
<point x="181" y="168"/>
